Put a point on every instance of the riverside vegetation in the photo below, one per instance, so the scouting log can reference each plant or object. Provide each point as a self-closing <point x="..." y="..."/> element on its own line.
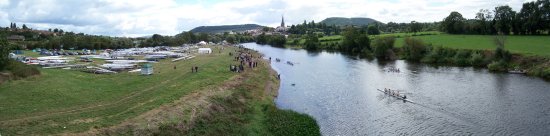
<point x="501" y="40"/>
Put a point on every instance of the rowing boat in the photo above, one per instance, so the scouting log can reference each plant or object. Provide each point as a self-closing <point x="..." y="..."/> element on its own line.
<point x="398" y="97"/>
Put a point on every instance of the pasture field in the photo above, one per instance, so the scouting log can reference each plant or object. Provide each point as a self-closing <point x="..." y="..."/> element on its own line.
<point x="526" y="45"/>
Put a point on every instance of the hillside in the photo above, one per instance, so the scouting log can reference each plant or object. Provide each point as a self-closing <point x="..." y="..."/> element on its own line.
<point x="340" y="21"/>
<point x="225" y="28"/>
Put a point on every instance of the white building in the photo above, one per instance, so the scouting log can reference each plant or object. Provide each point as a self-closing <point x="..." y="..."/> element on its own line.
<point x="205" y="50"/>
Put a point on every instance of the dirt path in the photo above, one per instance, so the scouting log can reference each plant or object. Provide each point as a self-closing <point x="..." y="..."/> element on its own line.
<point x="272" y="88"/>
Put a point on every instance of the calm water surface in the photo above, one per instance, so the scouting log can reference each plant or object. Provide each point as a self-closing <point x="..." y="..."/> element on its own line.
<point x="340" y="93"/>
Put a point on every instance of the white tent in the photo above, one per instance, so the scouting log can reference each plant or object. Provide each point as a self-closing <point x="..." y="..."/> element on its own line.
<point x="202" y="43"/>
<point x="205" y="50"/>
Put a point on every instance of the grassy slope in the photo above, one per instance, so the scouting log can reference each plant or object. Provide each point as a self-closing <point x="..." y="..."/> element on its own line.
<point x="250" y="111"/>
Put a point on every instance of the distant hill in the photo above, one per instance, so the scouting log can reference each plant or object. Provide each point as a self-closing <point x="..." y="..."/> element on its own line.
<point x="225" y="28"/>
<point x="340" y="21"/>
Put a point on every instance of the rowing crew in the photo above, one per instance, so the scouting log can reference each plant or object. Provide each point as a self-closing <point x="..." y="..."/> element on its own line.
<point x="396" y="70"/>
<point x="394" y="93"/>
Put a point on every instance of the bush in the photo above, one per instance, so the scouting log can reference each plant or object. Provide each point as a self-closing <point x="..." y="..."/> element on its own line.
<point x="501" y="66"/>
<point x="5" y="48"/>
<point x="312" y="42"/>
<point x="501" y="54"/>
<point x="21" y="70"/>
<point x="414" y="49"/>
<point x="476" y="60"/>
<point x="290" y="123"/>
<point x="276" y="40"/>
<point x="462" y="58"/>
<point x="383" y="47"/>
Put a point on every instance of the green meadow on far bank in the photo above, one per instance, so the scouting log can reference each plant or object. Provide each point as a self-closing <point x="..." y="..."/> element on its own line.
<point x="521" y="44"/>
<point x="66" y="101"/>
<point x="527" y="45"/>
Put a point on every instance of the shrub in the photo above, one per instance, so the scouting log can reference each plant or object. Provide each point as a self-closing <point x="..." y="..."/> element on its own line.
<point x="312" y="42"/>
<point x="501" y="54"/>
<point x="476" y="60"/>
<point x="290" y="123"/>
<point x="414" y="49"/>
<point x="498" y="66"/>
<point x="383" y="47"/>
<point x="21" y="70"/>
<point x="462" y="57"/>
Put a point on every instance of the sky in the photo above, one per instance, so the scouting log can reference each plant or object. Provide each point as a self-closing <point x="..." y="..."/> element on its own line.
<point x="132" y="18"/>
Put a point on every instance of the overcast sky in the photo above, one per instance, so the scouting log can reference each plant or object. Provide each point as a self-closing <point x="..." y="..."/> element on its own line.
<point x="169" y="17"/>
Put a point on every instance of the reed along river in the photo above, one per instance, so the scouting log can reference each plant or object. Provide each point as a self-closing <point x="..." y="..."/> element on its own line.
<point x="339" y="91"/>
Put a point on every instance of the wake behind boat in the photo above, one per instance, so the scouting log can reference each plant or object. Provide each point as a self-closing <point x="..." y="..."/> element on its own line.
<point x="404" y="97"/>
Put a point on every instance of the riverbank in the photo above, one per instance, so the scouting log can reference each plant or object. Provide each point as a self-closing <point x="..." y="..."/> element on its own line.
<point x="172" y="101"/>
<point x="460" y="51"/>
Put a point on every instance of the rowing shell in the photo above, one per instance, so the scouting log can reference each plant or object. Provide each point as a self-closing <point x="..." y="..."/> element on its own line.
<point x="400" y="98"/>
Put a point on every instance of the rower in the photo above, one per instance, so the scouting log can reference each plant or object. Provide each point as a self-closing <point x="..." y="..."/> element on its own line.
<point x="404" y="96"/>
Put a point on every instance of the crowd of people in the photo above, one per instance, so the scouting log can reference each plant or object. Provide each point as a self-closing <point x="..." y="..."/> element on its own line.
<point x="245" y="58"/>
<point x="392" y="69"/>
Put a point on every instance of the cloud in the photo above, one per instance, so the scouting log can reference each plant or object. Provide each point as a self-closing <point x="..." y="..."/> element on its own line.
<point x="169" y="17"/>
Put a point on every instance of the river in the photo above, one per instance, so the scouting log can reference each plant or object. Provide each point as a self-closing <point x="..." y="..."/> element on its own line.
<point x="339" y="91"/>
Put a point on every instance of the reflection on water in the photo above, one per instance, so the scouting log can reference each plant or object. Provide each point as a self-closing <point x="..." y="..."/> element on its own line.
<point x="340" y="93"/>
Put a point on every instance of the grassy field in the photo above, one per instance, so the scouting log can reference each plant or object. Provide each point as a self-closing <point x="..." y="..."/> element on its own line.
<point x="57" y="100"/>
<point x="398" y="35"/>
<point x="65" y="101"/>
<point x="528" y="45"/>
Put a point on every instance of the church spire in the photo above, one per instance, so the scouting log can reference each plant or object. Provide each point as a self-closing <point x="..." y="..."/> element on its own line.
<point x="283" y="21"/>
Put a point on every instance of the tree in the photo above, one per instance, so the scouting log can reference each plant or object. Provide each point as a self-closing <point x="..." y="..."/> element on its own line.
<point x="454" y="23"/>
<point x="544" y="10"/>
<point x="529" y="17"/>
<point x="25" y="27"/>
<point x="383" y="47"/>
<point x="363" y="41"/>
<point x="414" y="49"/>
<point x="349" y="41"/>
<point x="261" y="39"/>
<point x="483" y="18"/>
<point x="203" y="37"/>
<point x="415" y="27"/>
<point x="311" y="42"/>
<point x="5" y="48"/>
<point x="500" y="52"/>
<point x="231" y="39"/>
<point x="504" y="15"/>
<point x="373" y="30"/>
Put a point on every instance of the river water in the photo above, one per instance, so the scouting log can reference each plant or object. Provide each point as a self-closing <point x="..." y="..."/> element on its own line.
<point x="339" y="91"/>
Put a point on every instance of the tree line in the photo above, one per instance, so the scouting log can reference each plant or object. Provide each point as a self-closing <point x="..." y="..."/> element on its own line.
<point x="273" y="40"/>
<point x="532" y="19"/>
<point x="71" y="40"/>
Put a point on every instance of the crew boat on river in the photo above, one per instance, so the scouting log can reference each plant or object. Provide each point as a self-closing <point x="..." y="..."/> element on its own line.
<point x="395" y="93"/>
